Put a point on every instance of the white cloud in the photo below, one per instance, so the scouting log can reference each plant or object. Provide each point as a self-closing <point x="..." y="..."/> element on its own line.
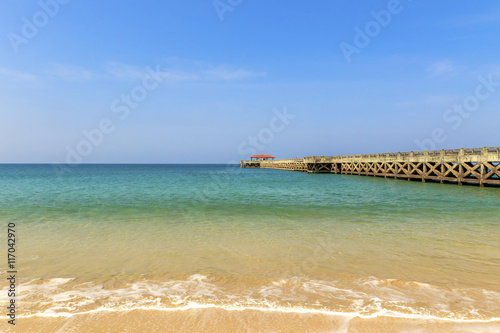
<point x="184" y="70"/>
<point x="17" y="76"/>
<point x="225" y="74"/>
<point x="442" y="68"/>
<point x="124" y="71"/>
<point x="71" y="73"/>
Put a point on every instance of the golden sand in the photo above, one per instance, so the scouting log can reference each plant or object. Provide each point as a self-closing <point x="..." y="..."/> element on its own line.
<point x="218" y="320"/>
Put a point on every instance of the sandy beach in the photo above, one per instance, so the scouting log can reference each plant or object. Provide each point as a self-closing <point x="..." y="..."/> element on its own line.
<point x="221" y="321"/>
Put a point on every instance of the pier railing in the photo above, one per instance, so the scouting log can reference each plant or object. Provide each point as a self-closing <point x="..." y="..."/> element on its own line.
<point x="470" y="155"/>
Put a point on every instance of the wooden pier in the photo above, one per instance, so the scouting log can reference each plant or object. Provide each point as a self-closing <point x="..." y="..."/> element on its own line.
<point x="479" y="166"/>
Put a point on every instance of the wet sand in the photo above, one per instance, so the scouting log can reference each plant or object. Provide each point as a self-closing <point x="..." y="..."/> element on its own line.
<point x="219" y="320"/>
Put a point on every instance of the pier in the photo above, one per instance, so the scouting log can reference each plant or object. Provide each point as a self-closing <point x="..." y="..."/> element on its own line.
<point x="476" y="166"/>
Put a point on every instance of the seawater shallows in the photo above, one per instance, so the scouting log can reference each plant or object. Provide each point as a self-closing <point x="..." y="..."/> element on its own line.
<point x="114" y="237"/>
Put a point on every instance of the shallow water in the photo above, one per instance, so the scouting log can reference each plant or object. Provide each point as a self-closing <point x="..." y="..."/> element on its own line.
<point x="167" y="237"/>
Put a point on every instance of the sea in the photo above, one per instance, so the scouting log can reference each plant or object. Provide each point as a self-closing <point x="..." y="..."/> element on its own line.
<point x="217" y="248"/>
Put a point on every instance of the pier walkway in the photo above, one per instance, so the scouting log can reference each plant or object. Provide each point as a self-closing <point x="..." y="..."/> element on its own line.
<point x="477" y="166"/>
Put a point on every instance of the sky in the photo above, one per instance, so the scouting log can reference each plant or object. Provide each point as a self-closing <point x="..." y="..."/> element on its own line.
<point x="215" y="81"/>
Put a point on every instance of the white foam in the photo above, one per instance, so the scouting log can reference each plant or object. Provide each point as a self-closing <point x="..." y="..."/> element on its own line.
<point x="371" y="298"/>
<point x="297" y="310"/>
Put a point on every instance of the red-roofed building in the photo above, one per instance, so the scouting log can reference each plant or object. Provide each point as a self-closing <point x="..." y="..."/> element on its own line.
<point x="262" y="157"/>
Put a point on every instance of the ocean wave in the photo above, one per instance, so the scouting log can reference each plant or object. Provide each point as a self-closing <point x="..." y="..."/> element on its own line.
<point x="364" y="298"/>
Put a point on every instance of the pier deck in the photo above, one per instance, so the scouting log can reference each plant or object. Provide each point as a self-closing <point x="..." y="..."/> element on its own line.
<point x="477" y="166"/>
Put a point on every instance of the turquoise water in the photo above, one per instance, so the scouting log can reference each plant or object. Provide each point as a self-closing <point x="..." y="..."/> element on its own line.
<point x="220" y="189"/>
<point x="134" y="234"/>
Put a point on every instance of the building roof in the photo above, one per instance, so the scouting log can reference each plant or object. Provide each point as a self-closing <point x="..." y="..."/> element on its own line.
<point x="262" y="156"/>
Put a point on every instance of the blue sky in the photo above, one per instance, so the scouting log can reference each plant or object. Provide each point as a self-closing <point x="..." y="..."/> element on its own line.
<point x="233" y="77"/>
